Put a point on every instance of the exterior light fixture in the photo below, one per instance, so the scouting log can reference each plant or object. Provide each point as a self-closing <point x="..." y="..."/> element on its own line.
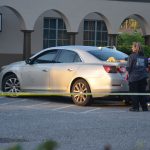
<point x="0" y="22"/>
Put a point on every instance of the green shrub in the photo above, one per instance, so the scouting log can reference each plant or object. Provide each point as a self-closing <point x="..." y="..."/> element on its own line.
<point x="125" y="41"/>
<point x="127" y="49"/>
<point x="146" y="50"/>
<point x="16" y="147"/>
<point x="48" y="145"/>
<point x="124" y="48"/>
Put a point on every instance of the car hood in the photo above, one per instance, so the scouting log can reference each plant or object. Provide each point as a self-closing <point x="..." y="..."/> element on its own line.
<point x="19" y="63"/>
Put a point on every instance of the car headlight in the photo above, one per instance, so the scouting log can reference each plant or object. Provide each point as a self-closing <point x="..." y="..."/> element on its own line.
<point x="2" y="68"/>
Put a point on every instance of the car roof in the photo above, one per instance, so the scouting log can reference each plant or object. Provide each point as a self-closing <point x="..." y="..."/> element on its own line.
<point x="77" y="47"/>
<point x="81" y="50"/>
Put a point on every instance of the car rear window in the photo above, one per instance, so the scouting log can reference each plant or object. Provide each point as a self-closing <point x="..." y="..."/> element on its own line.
<point x="104" y="55"/>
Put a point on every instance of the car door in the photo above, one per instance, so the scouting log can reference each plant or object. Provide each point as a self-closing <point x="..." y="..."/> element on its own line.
<point x="64" y="70"/>
<point x="36" y="75"/>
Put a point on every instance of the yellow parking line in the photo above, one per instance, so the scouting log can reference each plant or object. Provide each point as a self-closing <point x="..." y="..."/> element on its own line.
<point x="65" y="94"/>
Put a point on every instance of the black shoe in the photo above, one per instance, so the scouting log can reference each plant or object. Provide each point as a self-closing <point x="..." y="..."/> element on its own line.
<point x="133" y="109"/>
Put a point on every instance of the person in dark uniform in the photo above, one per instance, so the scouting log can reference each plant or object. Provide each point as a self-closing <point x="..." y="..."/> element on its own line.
<point x="137" y="67"/>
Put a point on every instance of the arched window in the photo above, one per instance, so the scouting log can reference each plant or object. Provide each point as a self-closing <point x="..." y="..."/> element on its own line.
<point x="95" y="33"/>
<point x="54" y="32"/>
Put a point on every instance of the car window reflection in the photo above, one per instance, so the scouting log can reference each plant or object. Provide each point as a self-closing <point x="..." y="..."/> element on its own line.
<point x="67" y="56"/>
<point x="46" y="57"/>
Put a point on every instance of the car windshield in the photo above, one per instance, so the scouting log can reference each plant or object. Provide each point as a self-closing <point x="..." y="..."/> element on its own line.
<point x="104" y="55"/>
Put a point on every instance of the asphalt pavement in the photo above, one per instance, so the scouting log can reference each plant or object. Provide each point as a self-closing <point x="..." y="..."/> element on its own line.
<point x="29" y="121"/>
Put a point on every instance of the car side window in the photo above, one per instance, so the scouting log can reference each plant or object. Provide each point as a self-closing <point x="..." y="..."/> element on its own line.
<point x="77" y="58"/>
<point x="67" y="56"/>
<point x="46" y="57"/>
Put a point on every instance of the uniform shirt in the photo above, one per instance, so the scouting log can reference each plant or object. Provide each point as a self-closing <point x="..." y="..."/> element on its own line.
<point x="136" y="67"/>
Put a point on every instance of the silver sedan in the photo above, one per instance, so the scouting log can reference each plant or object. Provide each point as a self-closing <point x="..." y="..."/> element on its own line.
<point x="82" y="72"/>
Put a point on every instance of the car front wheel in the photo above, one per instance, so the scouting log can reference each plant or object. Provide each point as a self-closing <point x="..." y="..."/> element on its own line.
<point x="11" y="84"/>
<point x="81" y="93"/>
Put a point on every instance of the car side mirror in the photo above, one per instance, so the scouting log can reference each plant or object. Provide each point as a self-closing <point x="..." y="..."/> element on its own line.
<point x="28" y="61"/>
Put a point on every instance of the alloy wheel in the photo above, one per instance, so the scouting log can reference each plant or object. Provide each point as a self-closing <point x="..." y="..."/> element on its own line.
<point x="80" y="93"/>
<point x="11" y="84"/>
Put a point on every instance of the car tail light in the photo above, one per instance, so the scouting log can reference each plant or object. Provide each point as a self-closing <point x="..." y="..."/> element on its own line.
<point x="114" y="69"/>
<point x="121" y="69"/>
<point x="110" y="69"/>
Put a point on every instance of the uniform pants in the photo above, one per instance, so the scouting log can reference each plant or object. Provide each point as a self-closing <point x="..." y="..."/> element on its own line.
<point x="138" y="87"/>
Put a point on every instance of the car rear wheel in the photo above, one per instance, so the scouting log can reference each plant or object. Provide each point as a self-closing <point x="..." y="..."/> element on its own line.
<point x="11" y="85"/>
<point x="81" y="93"/>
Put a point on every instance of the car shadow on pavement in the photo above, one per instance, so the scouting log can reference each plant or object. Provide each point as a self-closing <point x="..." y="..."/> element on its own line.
<point x="109" y="102"/>
<point x="53" y="99"/>
<point x="97" y="102"/>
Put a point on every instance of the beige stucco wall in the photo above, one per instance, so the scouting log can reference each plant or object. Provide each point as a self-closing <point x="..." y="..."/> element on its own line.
<point x="28" y="15"/>
<point x="11" y="35"/>
<point x="75" y="11"/>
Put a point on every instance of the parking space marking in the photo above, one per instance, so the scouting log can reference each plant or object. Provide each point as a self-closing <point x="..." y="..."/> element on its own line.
<point x="13" y="102"/>
<point x="59" y="108"/>
<point x="68" y="112"/>
<point x="32" y="106"/>
<point x="91" y="110"/>
<point x="111" y="111"/>
<point x="51" y="106"/>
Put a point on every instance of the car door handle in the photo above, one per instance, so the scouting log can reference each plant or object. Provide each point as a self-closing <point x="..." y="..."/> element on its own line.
<point x="70" y="69"/>
<point x="44" y="70"/>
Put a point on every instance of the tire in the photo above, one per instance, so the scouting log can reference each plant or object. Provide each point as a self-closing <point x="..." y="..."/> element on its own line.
<point x="11" y="85"/>
<point x="80" y="93"/>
